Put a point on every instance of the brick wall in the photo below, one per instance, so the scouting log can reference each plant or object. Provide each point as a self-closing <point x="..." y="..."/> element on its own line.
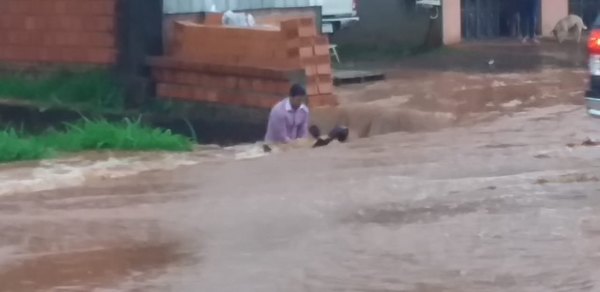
<point x="245" y="66"/>
<point x="58" y="31"/>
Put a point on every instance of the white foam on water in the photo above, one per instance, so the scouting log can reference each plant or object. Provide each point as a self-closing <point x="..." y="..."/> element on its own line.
<point x="248" y="151"/>
<point x="73" y="172"/>
<point x="76" y="171"/>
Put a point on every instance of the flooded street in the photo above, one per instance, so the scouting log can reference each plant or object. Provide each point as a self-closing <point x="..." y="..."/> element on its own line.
<point x="501" y="206"/>
<point x="466" y="181"/>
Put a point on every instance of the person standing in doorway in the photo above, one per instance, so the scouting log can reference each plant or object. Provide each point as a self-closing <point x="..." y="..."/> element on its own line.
<point x="528" y="15"/>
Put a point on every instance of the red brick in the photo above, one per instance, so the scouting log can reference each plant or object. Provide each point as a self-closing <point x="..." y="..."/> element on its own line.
<point x="226" y="97"/>
<point x="188" y="77"/>
<point x="325" y="78"/>
<point x="101" y="56"/>
<point x="321" y="50"/>
<point x="40" y="7"/>
<point x="324" y="69"/>
<point x="231" y="82"/>
<point x="245" y="84"/>
<point x="325" y="87"/>
<point x="258" y="85"/>
<point x="245" y="99"/>
<point x="202" y="79"/>
<point x="164" y="75"/>
<point x="307" y="31"/>
<point x="266" y="102"/>
<point x="300" y="42"/>
<point x="60" y="6"/>
<point x="311" y="70"/>
<point x="283" y="87"/>
<point x="307" y="21"/>
<point x="105" y="40"/>
<point x="178" y="77"/>
<point x="316" y="60"/>
<point x="312" y="88"/>
<point x="30" y="23"/>
<point x="99" y="23"/>
<point x="167" y="91"/>
<point x="9" y="54"/>
<point x="203" y="94"/>
<point x="237" y="98"/>
<point x="321" y="40"/>
<point x="186" y="92"/>
<point x="302" y="52"/>
<point x="102" y="7"/>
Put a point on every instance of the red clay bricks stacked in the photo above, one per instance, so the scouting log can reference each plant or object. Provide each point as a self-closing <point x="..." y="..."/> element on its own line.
<point x="244" y="66"/>
<point x="310" y="51"/>
<point x="226" y="84"/>
<point x="58" y="31"/>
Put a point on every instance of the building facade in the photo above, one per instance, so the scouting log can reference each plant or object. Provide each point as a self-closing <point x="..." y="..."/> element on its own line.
<point x="484" y="19"/>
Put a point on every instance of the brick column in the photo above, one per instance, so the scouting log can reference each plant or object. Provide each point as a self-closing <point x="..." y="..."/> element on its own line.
<point x="552" y="12"/>
<point x="451" y="26"/>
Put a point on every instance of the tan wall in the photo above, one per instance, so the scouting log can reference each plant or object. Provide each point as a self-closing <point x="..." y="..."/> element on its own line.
<point x="452" y="22"/>
<point x="552" y="12"/>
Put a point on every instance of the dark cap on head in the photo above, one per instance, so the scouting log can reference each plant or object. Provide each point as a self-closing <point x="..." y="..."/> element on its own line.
<point x="297" y="90"/>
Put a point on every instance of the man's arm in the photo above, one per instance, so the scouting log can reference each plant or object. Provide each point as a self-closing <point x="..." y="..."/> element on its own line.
<point x="277" y="129"/>
<point x="303" y="128"/>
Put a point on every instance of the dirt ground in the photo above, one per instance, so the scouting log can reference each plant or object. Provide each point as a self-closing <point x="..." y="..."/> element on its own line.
<point x="504" y="200"/>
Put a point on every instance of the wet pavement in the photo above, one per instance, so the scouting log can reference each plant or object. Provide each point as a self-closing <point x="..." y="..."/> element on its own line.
<point x="501" y="206"/>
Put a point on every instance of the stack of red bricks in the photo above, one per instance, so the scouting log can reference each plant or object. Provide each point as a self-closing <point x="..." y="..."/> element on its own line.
<point x="309" y="51"/>
<point x="58" y="31"/>
<point x="244" y="66"/>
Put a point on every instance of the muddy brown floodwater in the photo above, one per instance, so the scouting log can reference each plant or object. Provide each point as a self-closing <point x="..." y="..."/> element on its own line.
<point x="501" y="206"/>
<point x="502" y="196"/>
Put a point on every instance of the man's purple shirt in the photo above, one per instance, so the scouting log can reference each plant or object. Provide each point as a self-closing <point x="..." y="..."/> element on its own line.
<point x="287" y="124"/>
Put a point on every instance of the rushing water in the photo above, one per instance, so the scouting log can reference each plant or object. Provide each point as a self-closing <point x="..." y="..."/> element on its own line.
<point x="504" y="206"/>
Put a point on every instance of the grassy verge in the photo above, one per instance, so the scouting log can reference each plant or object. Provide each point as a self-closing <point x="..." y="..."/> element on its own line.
<point x="90" y="135"/>
<point x="91" y="89"/>
<point x="13" y="147"/>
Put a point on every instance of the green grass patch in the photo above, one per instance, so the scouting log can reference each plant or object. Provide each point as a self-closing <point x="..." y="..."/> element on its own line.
<point x="14" y="147"/>
<point x="91" y="89"/>
<point x="103" y="135"/>
<point x="90" y="135"/>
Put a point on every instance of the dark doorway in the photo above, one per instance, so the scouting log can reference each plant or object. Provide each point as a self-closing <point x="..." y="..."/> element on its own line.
<point x="485" y="19"/>
<point x="480" y="19"/>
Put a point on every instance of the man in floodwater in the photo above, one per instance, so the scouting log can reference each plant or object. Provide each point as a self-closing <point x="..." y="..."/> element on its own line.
<point x="289" y="118"/>
<point x="288" y="124"/>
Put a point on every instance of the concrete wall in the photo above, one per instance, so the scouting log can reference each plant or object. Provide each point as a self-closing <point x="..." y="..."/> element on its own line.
<point x="386" y="23"/>
<point x="451" y="27"/>
<point x="552" y="12"/>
